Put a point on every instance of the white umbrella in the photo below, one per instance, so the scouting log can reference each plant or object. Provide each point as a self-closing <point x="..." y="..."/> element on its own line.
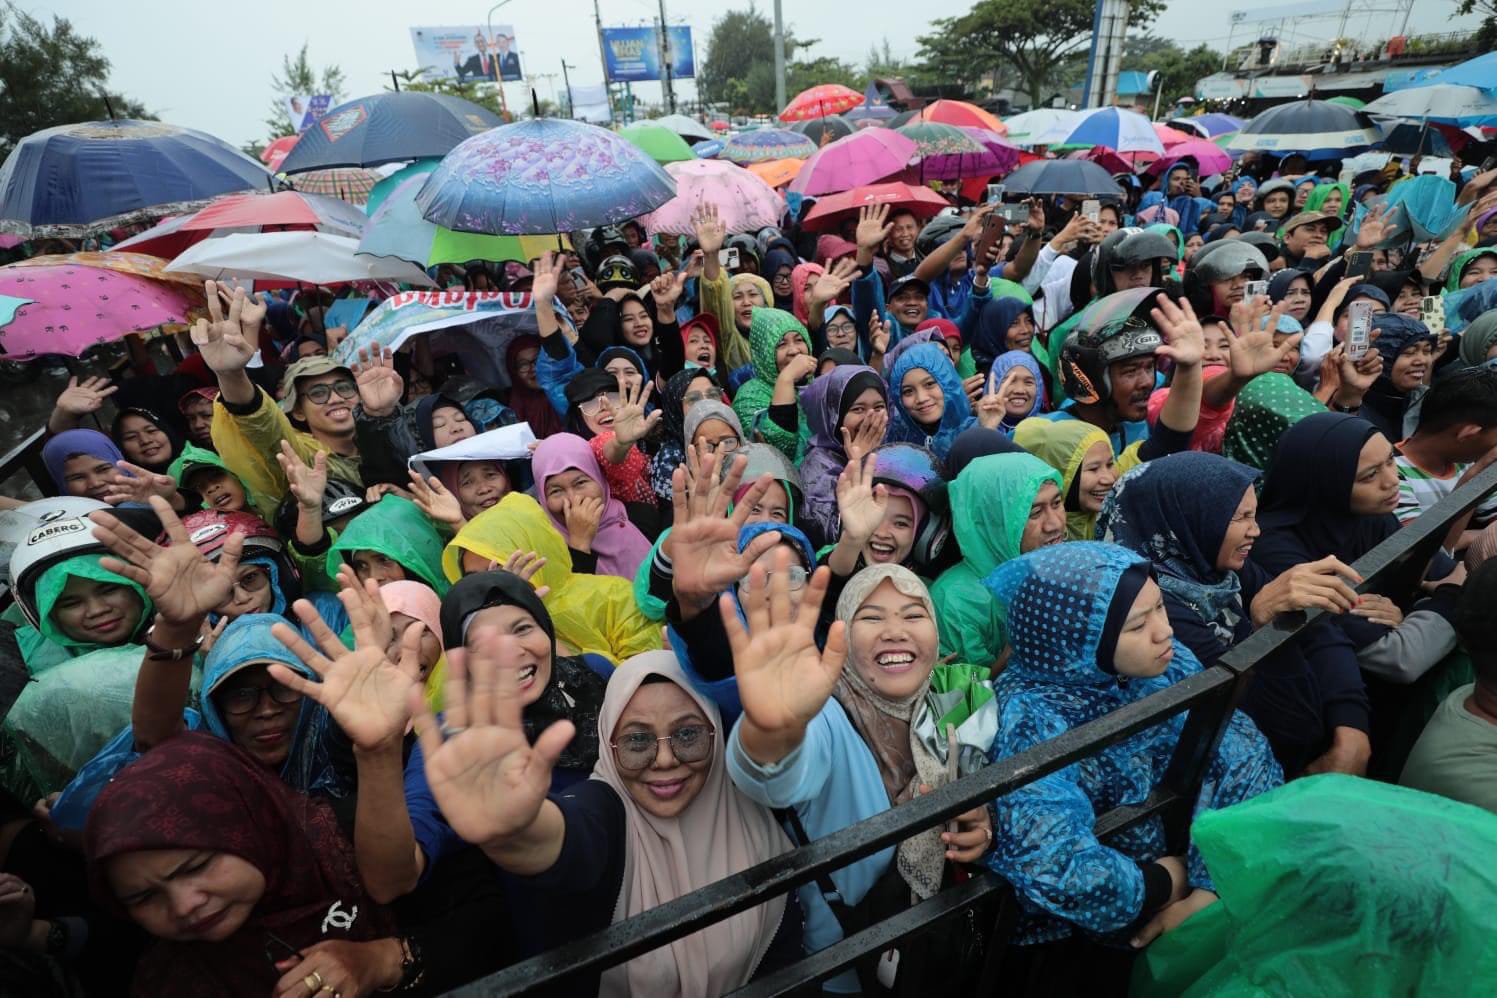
<point x="1041" y="127"/>
<point x="687" y="128"/>
<point x="306" y="257"/>
<point x="1442" y="102"/>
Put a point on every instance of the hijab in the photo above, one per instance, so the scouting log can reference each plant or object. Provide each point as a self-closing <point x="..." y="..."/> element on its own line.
<point x="1265" y="408"/>
<point x="956" y="415"/>
<point x="1175" y="511"/>
<point x="719" y="834"/>
<point x="573" y="693"/>
<point x="50" y="584"/>
<point x="707" y="409"/>
<point x="530" y="404"/>
<point x="1477" y="339"/>
<point x="425" y="411"/>
<point x="416" y="600"/>
<point x="1062" y="444"/>
<point x="799" y="278"/>
<point x="55" y="452"/>
<point x="172" y="436"/>
<point x="618" y="545"/>
<point x="1005" y="363"/>
<point x="773" y="260"/>
<point x="991" y="339"/>
<point x="673" y="396"/>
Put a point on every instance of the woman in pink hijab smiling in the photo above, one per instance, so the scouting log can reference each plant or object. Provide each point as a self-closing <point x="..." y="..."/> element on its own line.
<point x="572" y="487"/>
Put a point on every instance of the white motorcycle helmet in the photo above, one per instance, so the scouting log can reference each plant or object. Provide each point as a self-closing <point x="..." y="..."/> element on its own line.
<point x="59" y="529"/>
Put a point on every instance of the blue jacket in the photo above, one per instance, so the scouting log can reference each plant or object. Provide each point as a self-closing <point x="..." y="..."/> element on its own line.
<point x="957" y="415"/>
<point x="1043" y="839"/>
<point x="868" y="297"/>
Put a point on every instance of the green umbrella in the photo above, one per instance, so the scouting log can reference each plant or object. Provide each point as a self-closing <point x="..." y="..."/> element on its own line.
<point x="1351" y="102"/>
<point x="659" y="143"/>
<point x="936" y="139"/>
<point x="1224" y="138"/>
<point x="384" y="187"/>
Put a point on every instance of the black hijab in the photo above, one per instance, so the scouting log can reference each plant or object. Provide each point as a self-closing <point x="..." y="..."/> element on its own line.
<point x="589" y="383"/>
<point x="426" y="408"/>
<point x="673" y="398"/>
<point x="976" y="442"/>
<point x="573" y="693"/>
<point x="172" y="434"/>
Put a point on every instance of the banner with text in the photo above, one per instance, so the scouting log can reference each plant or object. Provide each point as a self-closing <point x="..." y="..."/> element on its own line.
<point x="633" y="54"/>
<point x="465" y="53"/>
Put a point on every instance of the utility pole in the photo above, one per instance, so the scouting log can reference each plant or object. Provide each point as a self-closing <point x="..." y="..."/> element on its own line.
<point x="568" y="81"/>
<point x="779" y="58"/>
<point x="603" y="57"/>
<point x="665" y="61"/>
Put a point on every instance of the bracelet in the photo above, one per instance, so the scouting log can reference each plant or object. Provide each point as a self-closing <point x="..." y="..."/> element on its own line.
<point x="412" y="968"/>
<point x="154" y="650"/>
<point x="1350" y="410"/>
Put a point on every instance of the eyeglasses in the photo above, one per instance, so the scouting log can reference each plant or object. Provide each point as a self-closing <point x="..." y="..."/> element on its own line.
<point x="321" y="393"/>
<point x="796" y="575"/>
<point x="692" y="398"/>
<point x="595" y="405"/>
<point x="728" y="442"/>
<point x="638" y="749"/>
<point x="525" y="365"/>
<point x="840" y="328"/>
<point x="252" y="582"/>
<point x="242" y="699"/>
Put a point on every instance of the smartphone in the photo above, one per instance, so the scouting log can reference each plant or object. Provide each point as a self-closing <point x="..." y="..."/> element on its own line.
<point x="1256" y="289"/>
<point x="1432" y="314"/>
<point x="995" y="192"/>
<point x="1359" y="329"/>
<point x="992" y="231"/>
<point x="1013" y="214"/>
<point x="1092" y="209"/>
<point x="728" y="258"/>
<point x="1359" y="263"/>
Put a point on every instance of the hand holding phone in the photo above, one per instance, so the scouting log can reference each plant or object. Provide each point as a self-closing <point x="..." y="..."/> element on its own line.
<point x="1359" y="329"/>
<point x="1359" y="263"/>
<point x="1256" y="289"/>
<point x="1092" y="210"/>
<point x="728" y="258"/>
<point x="1432" y="314"/>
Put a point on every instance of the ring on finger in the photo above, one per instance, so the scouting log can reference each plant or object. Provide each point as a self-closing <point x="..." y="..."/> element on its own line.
<point x="313" y="981"/>
<point x="453" y="730"/>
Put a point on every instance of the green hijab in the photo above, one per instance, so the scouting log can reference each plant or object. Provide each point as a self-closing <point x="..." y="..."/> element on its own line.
<point x="1316" y="200"/>
<point x="1459" y="264"/>
<point x="1478" y="339"/>
<point x="1269" y="405"/>
<point x="84" y="566"/>
<point x="396" y="528"/>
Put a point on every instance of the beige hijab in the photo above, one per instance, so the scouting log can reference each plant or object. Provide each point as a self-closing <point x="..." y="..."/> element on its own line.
<point x="904" y="761"/>
<point x="719" y="834"/>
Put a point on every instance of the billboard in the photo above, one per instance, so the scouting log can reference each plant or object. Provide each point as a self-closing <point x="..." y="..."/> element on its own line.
<point x="305" y="109"/>
<point x="466" y="53"/>
<point x="633" y="54"/>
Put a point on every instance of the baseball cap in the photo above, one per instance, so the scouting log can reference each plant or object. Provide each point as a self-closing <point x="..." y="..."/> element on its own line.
<point x="1309" y="217"/>
<point x="906" y="281"/>
<point x="307" y="367"/>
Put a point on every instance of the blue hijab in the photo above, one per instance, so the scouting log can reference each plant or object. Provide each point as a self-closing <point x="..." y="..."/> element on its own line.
<point x="1007" y="362"/>
<point x="991" y="339"/>
<point x="955" y="417"/>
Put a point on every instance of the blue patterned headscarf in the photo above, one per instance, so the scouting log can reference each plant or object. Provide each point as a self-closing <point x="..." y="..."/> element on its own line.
<point x="955" y="417"/>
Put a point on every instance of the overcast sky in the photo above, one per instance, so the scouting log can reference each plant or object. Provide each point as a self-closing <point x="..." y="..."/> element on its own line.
<point x="208" y="65"/>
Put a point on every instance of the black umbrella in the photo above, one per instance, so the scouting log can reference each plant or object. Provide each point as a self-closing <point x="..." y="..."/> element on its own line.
<point x="1062" y="176"/>
<point x="1307" y="126"/>
<point x="824" y="130"/>
<point x="387" y="128"/>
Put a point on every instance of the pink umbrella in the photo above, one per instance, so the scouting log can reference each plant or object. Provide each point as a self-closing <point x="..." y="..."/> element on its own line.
<point x="249" y="213"/>
<point x="745" y="203"/>
<point x="74" y="307"/>
<point x="275" y="153"/>
<point x="1103" y="157"/>
<point x="1210" y="157"/>
<point x="861" y="158"/>
<point x="829" y="211"/>
<point x="1172" y="136"/>
<point x="1006" y="152"/>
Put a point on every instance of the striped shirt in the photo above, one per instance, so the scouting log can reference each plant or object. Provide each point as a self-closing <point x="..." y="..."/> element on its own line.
<point x="1419" y="490"/>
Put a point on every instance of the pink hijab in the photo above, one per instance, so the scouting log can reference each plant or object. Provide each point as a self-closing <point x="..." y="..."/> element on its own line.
<point x="720" y="833"/>
<point x="799" y="277"/>
<point x="619" y="545"/>
<point x="417" y="601"/>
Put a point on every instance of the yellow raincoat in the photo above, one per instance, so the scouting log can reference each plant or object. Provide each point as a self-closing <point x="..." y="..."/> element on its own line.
<point x="248" y="446"/>
<point x="1062" y="444"/>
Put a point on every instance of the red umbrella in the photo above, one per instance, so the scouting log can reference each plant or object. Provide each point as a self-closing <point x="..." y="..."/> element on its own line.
<point x="261" y="212"/>
<point x="923" y="201"/>
<point x="960" y="112"/>
<point x="1104" y="157"/>
<point x="275" y="153"/>
<point x="1172" y="136"/>
<point x="820" y="101"/>
<point x="719" y="125"/>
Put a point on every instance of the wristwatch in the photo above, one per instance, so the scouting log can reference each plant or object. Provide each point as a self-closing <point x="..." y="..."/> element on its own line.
<point x="154" y="650"/>
<point x="57" y="937"/>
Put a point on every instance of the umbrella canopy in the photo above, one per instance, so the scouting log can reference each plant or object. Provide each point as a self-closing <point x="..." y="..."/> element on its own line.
<point x="720" y="125"/>
<point x="1172" y="136"/>
<point x="775" y="173"/>
<point x="1006" y="152"/>
<point x="688" y="128"/>
<point x="248" y="213"/>
<point x="1041" y="127"/>
<point x="948" y="153"/>
<point x="388" y="128"/>
<point x="766" y="144"/>
<point x="398" y="230"/>
<point x="1208" y="125"/>
<point x="1307" y="126"/>
<point x="1441" y="102"/>
<point x="707" y="150"/>
<point x="1104" y="157"/>
<point x="1354" y="103"/>
<point x="74" y="307"/>
<point x="136" y="264"/>
<point x="745" y="203"/>
<point x="864" y="157"/>
<point x="820" y="101"/>
<point x="823" y="131"/>
<point x="960" y="112"/>
<point x="659" y="143"/>
<point x="1116" y="128"/>
<point x="829" y="211"/>
<point x="350" y="183"/>
<point x="386" y="187"/>
<point x="275" y="154"/>
<point x="1209" y="157"/>
<point x="290" y="258"/>
<point x="874" y="107"/>
<point x="1480" y="73"/>
<point x="77" y="180"/>
<point x="543" y="175"/>
<point x="1062" y="176"/>
<point x="1409" y="138"/>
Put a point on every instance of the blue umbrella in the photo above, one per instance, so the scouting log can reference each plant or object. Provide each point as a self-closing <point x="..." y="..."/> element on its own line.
<point x="543" y="175"/>
<point x="1480" y="73"/>
<point x="387" y="128"/>
<point x="707" y="150"/>
<point x="1062" y="176"/>
<point x="76" y="180"/>
<point x="386" y="187"/>
<point x="1209" y="125"/>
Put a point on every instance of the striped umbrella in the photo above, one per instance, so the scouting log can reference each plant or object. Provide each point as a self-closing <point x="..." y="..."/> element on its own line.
<point x="350" y="183"/>
<point x="765" y="144"/>
<point x="1307" y="126"/>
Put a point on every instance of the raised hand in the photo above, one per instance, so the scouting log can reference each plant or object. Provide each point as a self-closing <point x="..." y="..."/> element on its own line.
<point x="1358" y="375"/>
<point x="525" y="564"/>
<point x="666" y="290"/>
<point x="306" y="484"/>
<point x="548" y="276"/>
<point x="182" y="583"/>
<point x="873" y="226"/>
<point x="878" y="335"/>
<point x="869" y="434"/>
<point x="860" y="503"/>
<point x="1251" y="345"/>
<point x="1375" y="227"/>
<point x="132" y="483"/>
<point x="972" y="229"/>
<point x="974" y="387"/>
<point x="703" y="541"/>
<point x="433" y="499"/>
<point x="990" y="411"/>
<point x="710" y="230"/>
<point x="783" y="679"/>
<point x="80" y="399"/>
<point x="380" y="386"/>
<point x="800" y="368"/>
<point x="220" y="338"/>
<point x="583" y="517"/>
<point x="630" y="424"/>
<point x="1184" y="340"/>
<point x="487" y="778"/>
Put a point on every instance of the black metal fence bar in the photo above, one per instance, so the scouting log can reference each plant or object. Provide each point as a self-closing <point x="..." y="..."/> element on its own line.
<point x="27" y="456"/>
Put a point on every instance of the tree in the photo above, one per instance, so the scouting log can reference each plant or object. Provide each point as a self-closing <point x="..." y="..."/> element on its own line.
<point x="487" y="98"/>
<point x="51" y="75"/>
<point x="1034" y="37"/>
<point x="1486" y="35"/>
<point x="1179" y="70"/>
<point x="298" y="77"/>
<point x="738" y="69"/>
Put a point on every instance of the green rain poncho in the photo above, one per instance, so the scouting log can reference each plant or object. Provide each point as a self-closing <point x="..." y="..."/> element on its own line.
<point x="51" y="584"/>
<point x="192" y="458"/>
<point x="990" y="503"/>
<point x="752" y="400"/>
<point x="1266" y="407"/>
<point x="397" y="529"/>
<point x="1460" y="263"/>
<point x="1336" y="886"/>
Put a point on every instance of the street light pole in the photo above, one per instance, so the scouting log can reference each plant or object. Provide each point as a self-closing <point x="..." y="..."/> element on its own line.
<point x="571" y="113"/>
<point x="499" y="72"/>
<point x="665" y="62"/>
<point x="779" y="57"/>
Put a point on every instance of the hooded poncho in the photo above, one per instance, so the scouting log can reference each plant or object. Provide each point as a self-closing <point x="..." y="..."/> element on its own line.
<point x="956" y="416"/>
<point x="753" y="398"/>
<point x="825" y="401"/>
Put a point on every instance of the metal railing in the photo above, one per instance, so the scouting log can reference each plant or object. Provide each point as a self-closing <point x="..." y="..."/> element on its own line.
<point x="1206" y="698"/>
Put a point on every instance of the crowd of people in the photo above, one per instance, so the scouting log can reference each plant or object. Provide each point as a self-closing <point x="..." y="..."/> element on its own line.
<point x="798" y="540"/>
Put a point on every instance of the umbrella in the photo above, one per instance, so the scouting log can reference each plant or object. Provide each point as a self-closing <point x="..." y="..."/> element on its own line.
<point x="947" y="153"/>
<point x="1208" y="125"/>
<point x="1062" y="176"/>
<point x="136" y="264"/>
<point x="829" y="211"/>
<point x="1172" y="136"/>
<point x="659" y="143"/>
<point x="350" y="183"/>
<point x="766" y="144"/>
<point x="1210" y="158"/>
<point x="275" y="154"/>
<point x="864" y="157"/>
<point x="1006" y="153"/>
<point x="1104" y="157"/>
<point x="1440" y="102"/>
<point x="1116" y="128"/>
<point x="825" y="130"/>
<point x="960" y="112"/>
<point x="688" y="128"/>
<point x="1480" y="73"/>
<point x="81" y="179"/>
<point x="745" y="203"/>
<point x="248" y="213"/>
<point x="820" y="101"/>
<point x="707" y="150"/>
<point x="543" y="175"/>
<point x="385" y="187"/>
<point x="776" y="172"/>
<point x="388" y="128"/>
<point x="720" y="125"/>
<point x="73" y="307"/>
<point x="1352" y="102"/>
<point x="1041" y="127"/>
<point x="1408" y="138"/>
<point x="1307" y="126"/>
<point x="398" y="230"/>
<point x="291" y="258"/>
<point x="874" y="108"/>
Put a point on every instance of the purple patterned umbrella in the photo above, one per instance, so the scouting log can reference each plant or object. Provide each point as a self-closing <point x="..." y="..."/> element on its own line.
<point x="766" y="144"/>
<point x="948" y="152"/>
<point x="541" y="176"/>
